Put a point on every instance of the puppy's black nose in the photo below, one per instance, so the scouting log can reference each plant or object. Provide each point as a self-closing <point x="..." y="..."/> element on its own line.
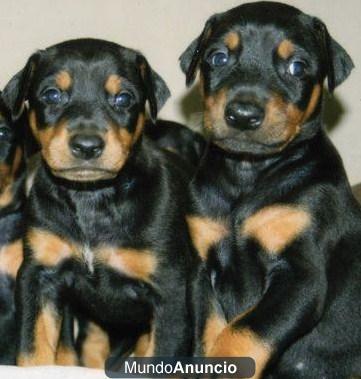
<point x="244" y="116"/>
<point x="85" y="146"/>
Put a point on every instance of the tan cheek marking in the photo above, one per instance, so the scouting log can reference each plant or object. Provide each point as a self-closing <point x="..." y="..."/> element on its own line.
<point x="213" y="328"/>
<point x="46" y="336"/>
<point x="315" y="96"/>
<point x="49" y="249"/>
<point x="56" y="147"/>
<point x="54" y="142"/>
<point x="205" y="233"/>
<point x="242" y="343"/>
<point x="214" y="110"/>
<point x="65" y="356"/>
<point x="276" y="226"/>
<point x="117" y="148"/>
<point x="285" y="49"/>
<point x="63" y="80"/>
<point x="96" y="347"/>
<point x="138" y="264"/>
<point x="232" y="40"/>
<point x="11" y="257"/>
<point x="113" y="84"/>
<point x="139" y="127"/>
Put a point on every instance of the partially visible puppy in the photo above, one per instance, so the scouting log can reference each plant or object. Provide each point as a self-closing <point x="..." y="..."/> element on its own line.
<point x="12" y="175"/>
<point x="273" y="216"/>
<point x="179" y="140"/>
<point x="105" y="234"/>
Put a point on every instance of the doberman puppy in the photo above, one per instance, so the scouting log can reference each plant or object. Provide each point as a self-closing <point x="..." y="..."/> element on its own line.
<point x="12" y="176"/>
<point x="273" y="215"/>
<point x="105" y="228"/>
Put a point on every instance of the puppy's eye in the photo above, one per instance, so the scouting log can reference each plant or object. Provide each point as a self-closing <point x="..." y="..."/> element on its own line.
<point x="219" y="58"/>
<point x="5" y="134"/>
<point x="52" y="96"/>
<point x="297" y="69"/>
<point x="122" y="100"/>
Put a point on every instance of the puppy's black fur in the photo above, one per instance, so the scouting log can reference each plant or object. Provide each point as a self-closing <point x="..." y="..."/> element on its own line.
<point x="12" y="171"/>
<point x="179" y="140"/>
<point x="273" y="215"/>
<point x="105" y="230"/>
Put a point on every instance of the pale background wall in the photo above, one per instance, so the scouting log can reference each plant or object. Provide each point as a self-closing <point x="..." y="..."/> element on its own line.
<point x="162" y="29"/>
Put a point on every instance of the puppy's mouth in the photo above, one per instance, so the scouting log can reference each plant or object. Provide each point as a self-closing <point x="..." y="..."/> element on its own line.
<point x="85" y="174"/>
<point x="246" y="143"/>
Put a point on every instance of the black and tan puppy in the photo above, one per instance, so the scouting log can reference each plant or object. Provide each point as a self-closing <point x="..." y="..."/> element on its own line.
<point x="105" y="230"/>
<point x="273" y="215"/>
<point x="12" y="174"/>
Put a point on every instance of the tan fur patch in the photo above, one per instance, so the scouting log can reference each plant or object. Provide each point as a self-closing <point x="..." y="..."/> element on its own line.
<point x="142" y="345"/>
<point x="151" y="347"/>
<point x="46" y="336"/>
<point x="6" y="196"/>
<point x="96" y="347"/>
<point x="11" y="257"/>
<point x="118" y="144"/>
<point x="54" y="141"/>
<point x="139" y="264"/>
<point x="283" y="120"/>
<point x="66" y="356"/>
<point x="8" y="175"/>
<point x="205" y="233"/>
<point x="242" y="343"/>
<point x="232" y="40"/>
<point x="315" y="96"/>
<point x="276" y="226"/>
<point x="113" y="84"/>
<point x="213" y="328"/>
<point x="285" y="49"/>
<point x="63" y="80"/>
<point x="214" y="106"/>
<point x="139" y="127"/>
<point x="48" y="248"/>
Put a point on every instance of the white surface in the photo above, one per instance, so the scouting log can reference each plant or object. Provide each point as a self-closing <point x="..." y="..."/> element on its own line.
<point x="50" y="372"/>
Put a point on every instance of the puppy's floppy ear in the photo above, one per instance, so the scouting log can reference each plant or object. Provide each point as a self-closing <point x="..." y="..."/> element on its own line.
<point x="190" y="59"/>
<point x="337" y="62"/>
<point x="156" y="90"/>
<point x="16" y="91"/>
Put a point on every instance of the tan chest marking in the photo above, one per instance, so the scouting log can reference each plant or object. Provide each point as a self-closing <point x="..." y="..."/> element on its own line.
<point x="48" y="248"/>
<point x="139" y="264"/>
<point x="276" y="226"/>
<point x="242" y="343"/>
<point x="205" y="233"/>
<point x="11" y="257"/>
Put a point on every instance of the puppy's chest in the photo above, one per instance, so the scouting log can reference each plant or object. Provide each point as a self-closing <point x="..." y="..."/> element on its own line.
<point x="94" y="240"/>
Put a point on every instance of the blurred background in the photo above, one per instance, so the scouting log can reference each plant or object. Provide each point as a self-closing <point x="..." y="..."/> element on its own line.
<point x="162" y="29"/>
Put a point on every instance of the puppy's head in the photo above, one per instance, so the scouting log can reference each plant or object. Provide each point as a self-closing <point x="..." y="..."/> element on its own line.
<point x="262" y="67"/>
<point x="86" y="105"/>
<point x="11" y="155"/>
